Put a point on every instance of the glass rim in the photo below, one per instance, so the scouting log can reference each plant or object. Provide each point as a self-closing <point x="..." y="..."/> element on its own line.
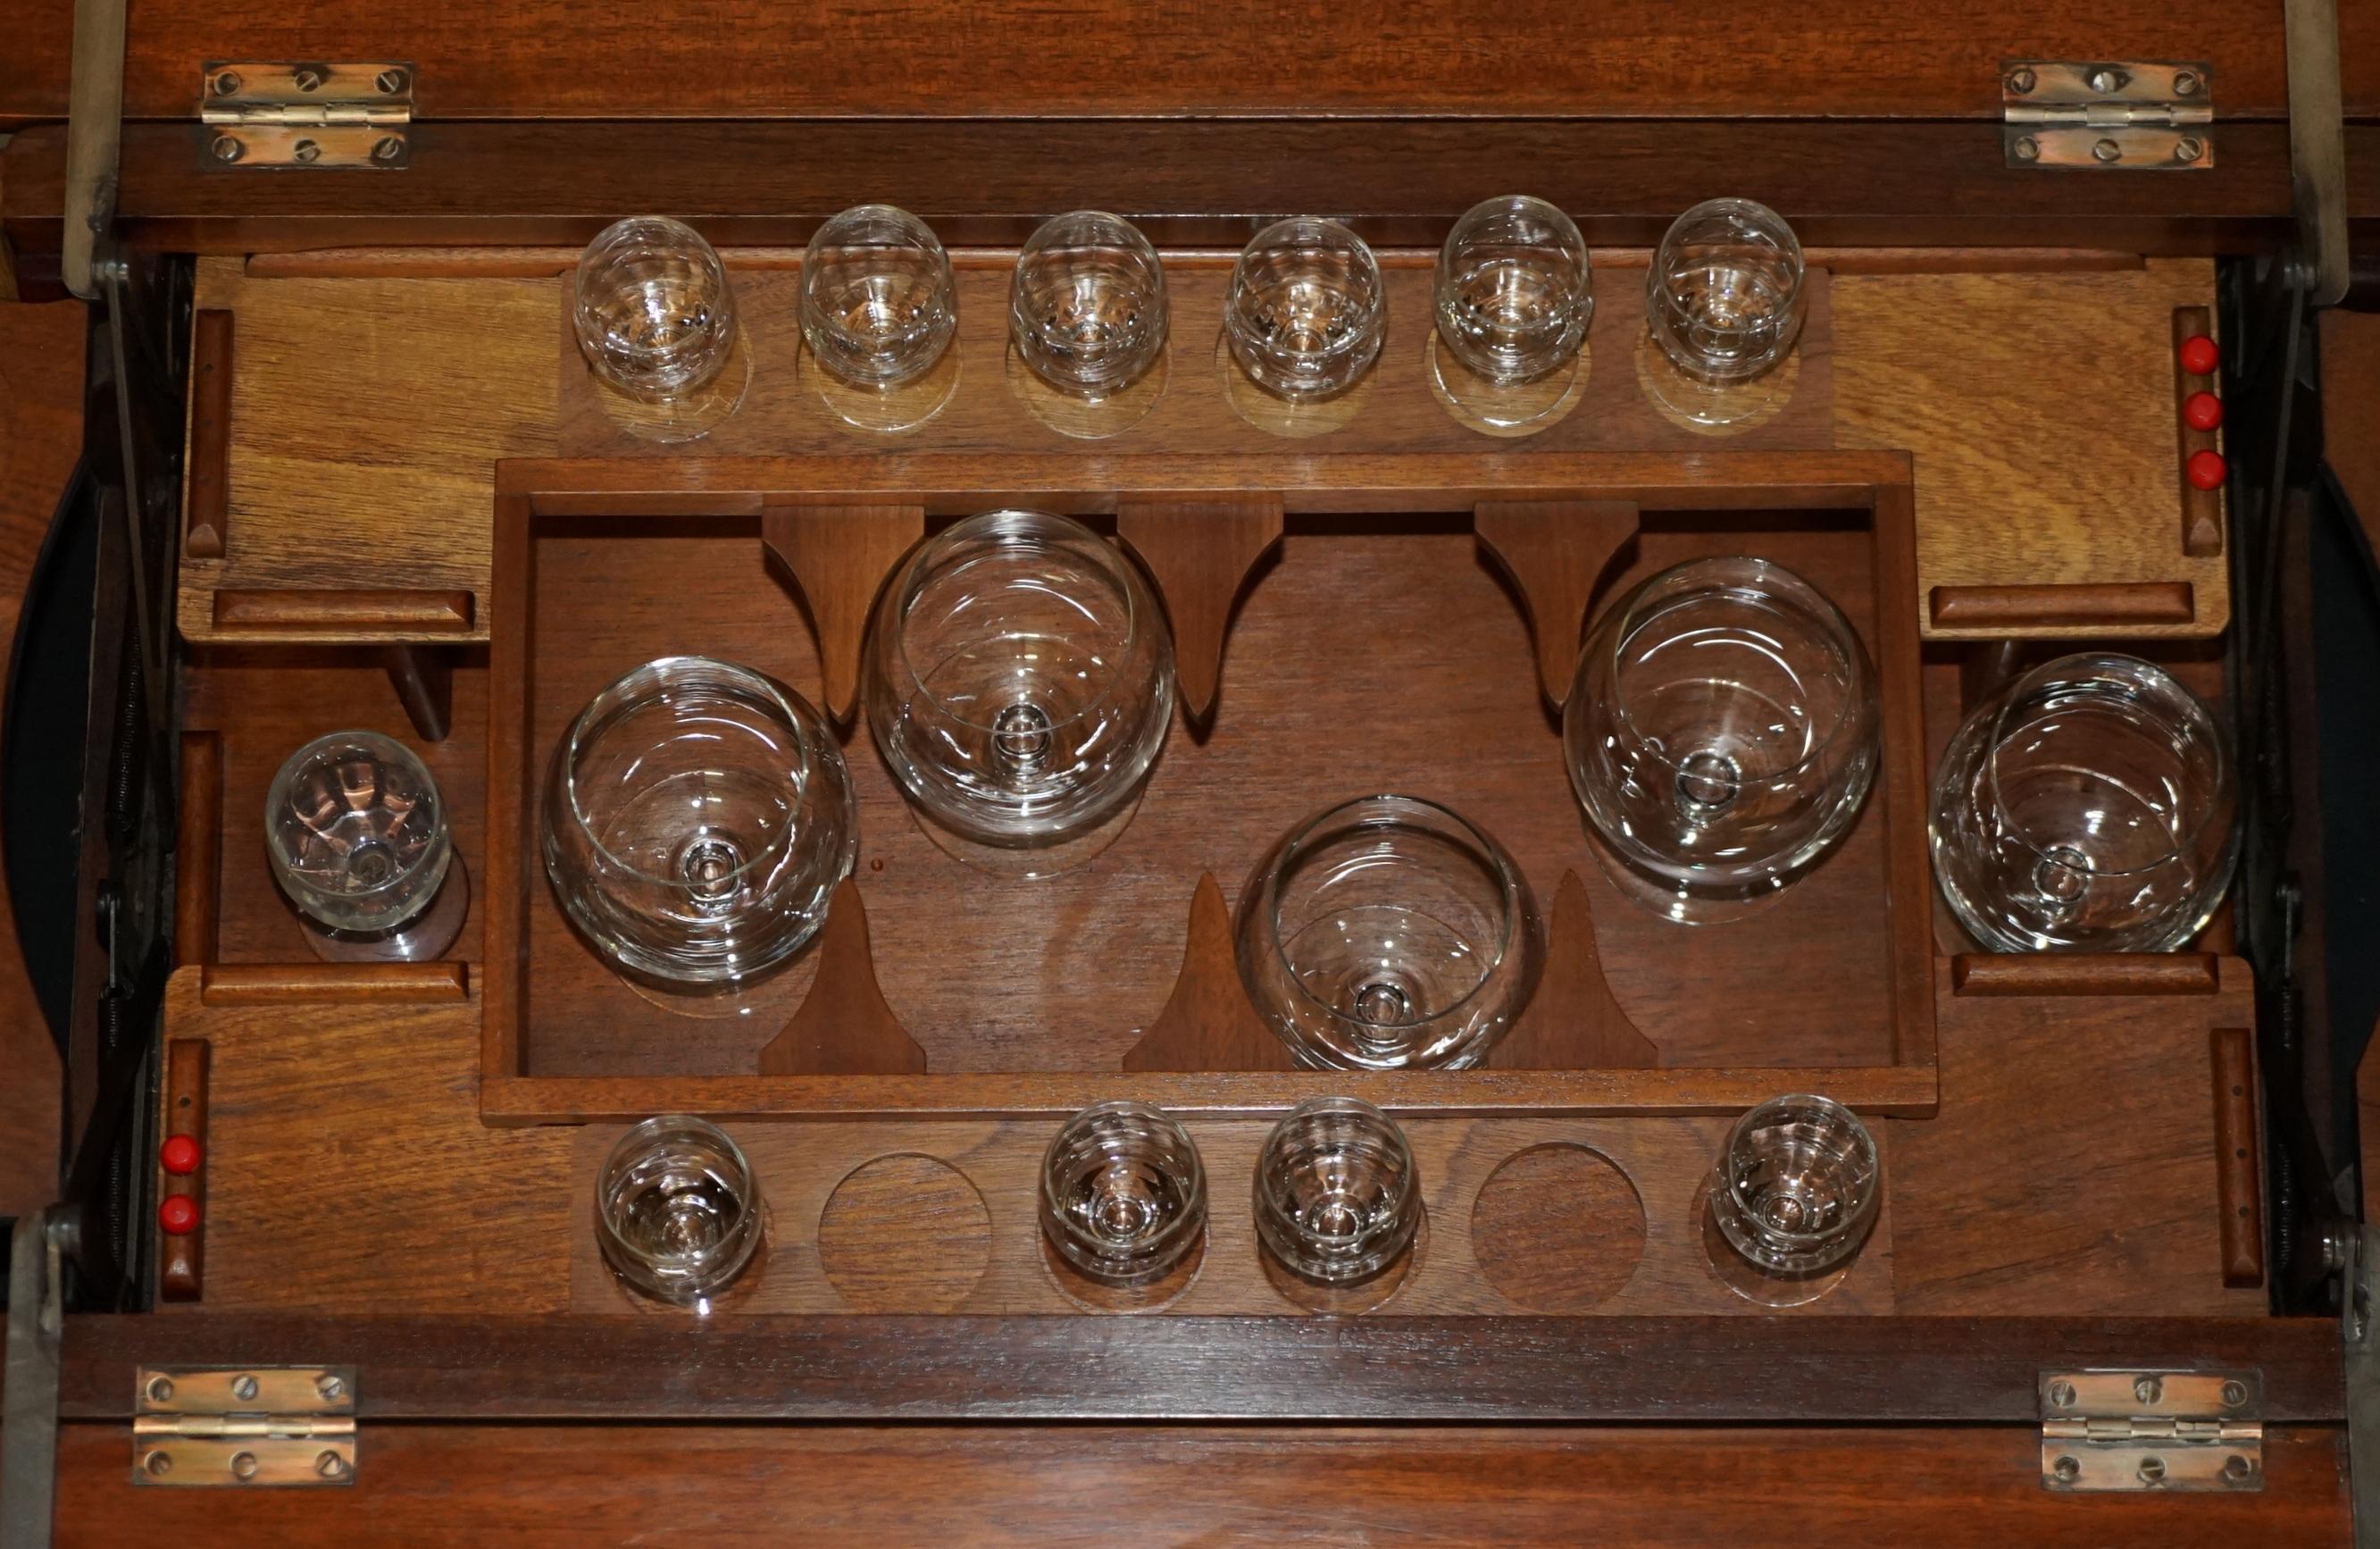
<point x="1545" y="209"/>
<point x="1376" y="305"/>
<point x="1871" y="1187"/>
<point x="2110" y="663"/>
<point x="1511" y="889"/>
<point x="380" y="745"/>
<point x="644" y="1132"/>
<point x="1053" y="1208"/>
<point x="913" y="578"/>
<point x="614" y="694"/>
<point x="1760" y="215"/>
<point x="1356" y="1107"/>
<point x="1817" y="603"/>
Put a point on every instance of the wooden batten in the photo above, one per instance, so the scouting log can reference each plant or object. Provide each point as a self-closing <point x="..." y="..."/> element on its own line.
<point x="843" y="1026"/>
<point x="1555" y="552"/>
<point x="1199" y="553"/>
<point x="838" y="556"/>
<point x="1207" y="1023"/>
<point x="1573" y="1022"/>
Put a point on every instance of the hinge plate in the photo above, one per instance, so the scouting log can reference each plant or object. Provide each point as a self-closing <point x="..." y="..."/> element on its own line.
<point x="2108" y="115"/>
<point x="244" y="1425"/>
<point x="2136" y="1430"/>
<point x="307" y="113"/>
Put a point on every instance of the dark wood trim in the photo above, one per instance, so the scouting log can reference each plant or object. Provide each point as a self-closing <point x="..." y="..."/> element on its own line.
<point x="2085" y="973"/>
<point x="206" y="521"/>
<point x="1782" y="1370"/>
<point x="2081" y="605"/>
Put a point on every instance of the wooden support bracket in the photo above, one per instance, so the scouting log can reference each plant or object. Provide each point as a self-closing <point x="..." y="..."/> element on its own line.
<point x="1556" y="551"/>
<point x="838" y="556"/>
<point x="1207" y="1023"/>
<point x="423" y="677"/>
<point x="843" y="1027"/>
<point x="1573" y="1022"/>
<point x="1200" y="553"/>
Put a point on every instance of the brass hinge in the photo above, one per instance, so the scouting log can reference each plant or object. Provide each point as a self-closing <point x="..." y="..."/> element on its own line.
<point x="307" y="114"/>
<point x="2138" y="1430"/>
<point x="244" y="1425"/>
<point x="2142" y="116"/>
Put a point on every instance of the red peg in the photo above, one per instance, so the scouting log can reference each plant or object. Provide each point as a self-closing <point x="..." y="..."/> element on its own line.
<point x="181" y="1155"/>
<point x="178" y="1216"/>
<point x="2202" y="410"/>
<point x="2206" y="470"/>
<point x="2199" y="356"/>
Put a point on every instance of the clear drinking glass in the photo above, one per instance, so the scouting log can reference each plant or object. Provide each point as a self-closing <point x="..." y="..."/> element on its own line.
<point x="1087" y="306"/>
<point x="1020" y="683"/>
<point x="1724" y="297"/>
<point x="1306" y="311"/>
<point x="1793" y="1195"/>
<point x="358" y="839"/>
<point x="1721" y="734"/>
<point x="677" y="1210"/>
<point x="879" y="304"/>
<point x="1513" y="291"/>
<point x="1388" y="934"/>
<point x="654" y="314"/>
<point x="1337" y="1195"/>
<point x="697" y="822"/>
<point x="2087" y="806"/>
<point x="1123" y="1195"/>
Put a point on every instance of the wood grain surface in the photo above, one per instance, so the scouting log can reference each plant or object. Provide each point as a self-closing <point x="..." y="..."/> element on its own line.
<point x="1540" y="1487"/>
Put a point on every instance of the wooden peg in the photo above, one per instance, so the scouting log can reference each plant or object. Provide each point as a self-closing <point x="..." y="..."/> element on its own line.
<point x="843" y="1027"/>
<point x="423" y="677"/>
<point x="838" y="556"/>
<point x="1573" y="1023"/>
<point x="1200" y="551"/>
<point x="1555" y="551"/>
<point x="181" y="1173"/>
<point x="1207" y="1023"/>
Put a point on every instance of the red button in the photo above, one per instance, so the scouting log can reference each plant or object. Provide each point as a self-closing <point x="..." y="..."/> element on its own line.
<point x="2199" y="356"/>
<point x="178" y="1216"/>
<point x="2206" y="470"/>
<point x="2204" y="411"/>
<point x="181" y="1155"/>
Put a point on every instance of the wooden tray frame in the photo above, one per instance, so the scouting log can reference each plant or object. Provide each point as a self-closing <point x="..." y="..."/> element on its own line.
<point x="1081" y="484"/>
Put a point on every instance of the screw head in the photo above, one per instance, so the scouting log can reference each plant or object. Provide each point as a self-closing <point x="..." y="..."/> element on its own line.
<point x="2189" y="148"/>
<point x="158" y="1464"/>
<point x="389" y="81"/>
<point x="226" y="83"/>
<point x="2107" y="78"/>
<point x="2068" y="1469"/>
<point x="306" y="151"/>
<point x="226" y="149"/>
<point x="243" y="1387"/>
<point x="330" y="1465"/>
<point x="2236" y="1468"/>
<point x="2021" y="79"/>
<point x="2151" y="1471"/>
<point x="2186" y="83"/>
<point x="2107" y="150"/>
<point x="2062" y="1392"/>
<point x="329" y="1387"/>
<point x="244" y="1465"/>
<point x="160" y="1389"/>
<point x="2027" y="148"/>
<point x="2234" y="1392"/>
<point x="306" y="78"/>
<point x="387" y="148"/>
<point x="2148" y="1390"/>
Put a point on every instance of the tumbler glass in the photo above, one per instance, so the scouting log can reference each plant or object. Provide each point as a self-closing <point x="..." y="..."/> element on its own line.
<point x="1721" y="734"/>
<point x="1388" y="934"/>
<point x="1020" y="685"/>
<point x="2087" y="806"/>
<point x="1513" y="292"/>
<point x="1123" y="1195"/>
<point x="1793" y="1196"/>
<point x="879" y="304"/>
<point x="1306" y="311"/>
<point x="1724" y="297"/>
<point x="697" y="822"/>
<point x="1337" y="1195"/>
<point x="358" y="838"/>
<point x="1087" y="308"/>
<point x="677" y="1210"/>
<point x="654" y="314"/>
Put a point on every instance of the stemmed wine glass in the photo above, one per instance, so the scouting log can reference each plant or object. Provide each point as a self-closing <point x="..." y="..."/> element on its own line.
<point x="1791" y="1199"/>
<point x="655" y="317"/>
<point x="1304" y="317"/>
<point x="1724" y="301"/>
<point x="1086" y="313"/>
<point x="360" y="841"/>
<point x="1513" y="298"/>
<point x="1124" y="1194"/>
<point x="1337" y="1192"/>
<point x="878" y="309"/>
<point x="678" y="1213"/>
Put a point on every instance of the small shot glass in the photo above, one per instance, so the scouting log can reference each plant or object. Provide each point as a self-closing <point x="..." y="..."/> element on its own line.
<point x="1337" y="1196"/>
<point x="677" y="1210"/>
<point x="655" y="318"/>
<point x="1724" y="297"/>
<point x="878" y="305"/>
<point x="1305" y="309"/>
<point x="1513" y="293"/>
<point x="1793" y="1196"/>
<point x="1123" y="1195"/>
<point x="1087" y="308"/>
<point x="358" y="839"/>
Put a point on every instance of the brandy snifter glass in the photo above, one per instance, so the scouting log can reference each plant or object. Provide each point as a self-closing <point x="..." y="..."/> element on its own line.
<point x="1087" y="306"/>
<point x="2085" y="807"/>
<point x="1725" y="298"/>
<point x="678" y="1213"/>
<point x="1124" y="1194"/>
<point x="358" y="839"/>
<point x="1793" y="1196"/>
<point x="1337" y="1194"/>
<point x="879" y="304"/>
<point x="1388" y="934"/>
<point x="697" y="822"/>
<point x="1305" y="309"/>
<point x="1513" y="292"/>
<point x="1721" y="735"/>
<point x="653" y="311"/>
<point x="1020" y="685"/>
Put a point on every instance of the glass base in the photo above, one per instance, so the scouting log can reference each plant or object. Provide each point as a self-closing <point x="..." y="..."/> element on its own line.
<point x="689" y="417"/>
<point x="1360" y="1296"/>
<point x="1148" y="1295"/>
<point x="1679" y="903"/>
<point x="1523" y="409"/>
<point x="1087" y="418"/>
<point x="735" y="1294"/>
<point x="421" y="939"/>
<point x="1709" y="407"/>
<point x="1750" y="1281"/>
<point x="1292" y="419"/>
<point x="883" y="411"/>
<point x="1031" y="862"/>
